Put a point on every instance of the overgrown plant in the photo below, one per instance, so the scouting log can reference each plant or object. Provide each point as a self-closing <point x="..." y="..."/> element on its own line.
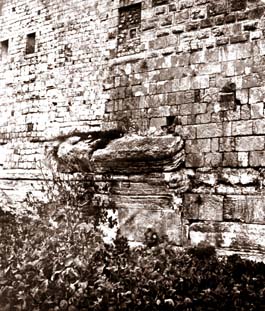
<point x="75" y="197"/>
<point x="58" y="261"/>
<point x="48" y="249"/>
<point x="51" y="274"/>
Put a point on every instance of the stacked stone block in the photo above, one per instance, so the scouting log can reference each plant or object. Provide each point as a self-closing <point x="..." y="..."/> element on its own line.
<point x="200" y="70"/>
<point x="55" y="88"/>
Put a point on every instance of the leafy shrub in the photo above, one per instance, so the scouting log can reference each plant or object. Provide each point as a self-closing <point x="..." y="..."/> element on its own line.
<point x="202" y="251"/>
<point x="59" y="261"/>
<point x="48" y="270"/>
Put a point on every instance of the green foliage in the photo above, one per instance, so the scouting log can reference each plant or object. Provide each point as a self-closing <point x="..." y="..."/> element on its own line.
<point x="58" y="261"/>
<point x="74" y="197"/>
<point x="202" y="251"/>
<point x="48" y="268"/>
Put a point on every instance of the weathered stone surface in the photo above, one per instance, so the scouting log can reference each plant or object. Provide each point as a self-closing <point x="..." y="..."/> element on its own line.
<point x="74" y="154"/>
<point x="132" y="154"/>
<point x="147" y="202"/>
<point x="203" y="207"/>
<point x="249" y="209"/>
<point x="146" y="187"/>
<point x="179" y="181"/>
<point x="135" y="222"/>
<point x="257" y="158"/>
<point x="229" y="235"/>
<point x="241" y="177"/>
<point x="250" y="143"/>
<point x="209" y="130"/>
<point x="136" y="68"/>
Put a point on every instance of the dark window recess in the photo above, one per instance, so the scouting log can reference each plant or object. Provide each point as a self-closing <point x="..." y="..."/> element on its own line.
<point x="197" y="96"/>
<point x="159" y="2"/>
<point x="133" y="33"/>
<point x="4" y="49"/>
<point x="129" y="27"/>
<point x="237" y="5"/>
<point x="170" y="120"/>
<point x="30" y="127"/>
<point x="31" y="40"/>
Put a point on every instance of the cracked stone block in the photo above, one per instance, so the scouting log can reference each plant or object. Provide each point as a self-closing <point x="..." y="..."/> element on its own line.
<point x="203" y="207"/>
<point x="249" y="209"/>
<point x="140" y="154"/>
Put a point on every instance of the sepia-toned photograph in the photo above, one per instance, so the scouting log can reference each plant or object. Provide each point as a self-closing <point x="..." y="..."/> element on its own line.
<point x="132" y="155"/>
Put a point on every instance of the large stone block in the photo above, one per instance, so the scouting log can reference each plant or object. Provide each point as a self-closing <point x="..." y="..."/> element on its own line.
<point x="158" y="123"/>
<point x="203" y="207"/>
<point x="139" y="154"/>
<point x="134" y="223"/>
<point x="249" y="208"/>
<point x="198" y="145"/>
<point x="209" y="130"/>
<point x="194" y="160"/>
<point x="236" y="236"/>
<point x="213" y="159"/>
<point x="147" y="202"/>
<point x="257" y="158"/>
<point x="256" y="94"/>
<point x="230" y="159"/>
<point x="240" y="128"/>
<point x="259" y="126"/>
<point x="250" y="143"/>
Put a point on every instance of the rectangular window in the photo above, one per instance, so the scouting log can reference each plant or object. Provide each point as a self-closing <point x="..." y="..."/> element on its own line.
<point x="4" y="49"/>
<point x="30" y="47"/>
<point x="129" y="28"/>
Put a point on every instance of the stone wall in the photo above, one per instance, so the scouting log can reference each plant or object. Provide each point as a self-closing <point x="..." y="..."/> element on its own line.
<point x="199" y="73"/>
<point x="190" y="68"/>
<point x="56" y="89"/>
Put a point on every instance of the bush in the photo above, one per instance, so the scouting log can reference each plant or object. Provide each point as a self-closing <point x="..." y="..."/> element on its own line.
<point x="58" y="261"/>
<point x="47" y="269"/>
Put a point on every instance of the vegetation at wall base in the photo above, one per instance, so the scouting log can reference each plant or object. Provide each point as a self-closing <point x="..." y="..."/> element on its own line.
<point x="57" y="260"/>
<point x="42" y="268"/>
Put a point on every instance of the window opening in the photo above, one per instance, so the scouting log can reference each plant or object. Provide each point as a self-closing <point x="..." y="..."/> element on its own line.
<point x="129" y="28"/>
<point x="30" y="47"/>
<point x="4" y="49"/>
<point x="170" y="120"/>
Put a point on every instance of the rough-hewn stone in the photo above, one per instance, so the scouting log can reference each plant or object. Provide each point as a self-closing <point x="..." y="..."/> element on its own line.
<point x="140" y="154"/>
